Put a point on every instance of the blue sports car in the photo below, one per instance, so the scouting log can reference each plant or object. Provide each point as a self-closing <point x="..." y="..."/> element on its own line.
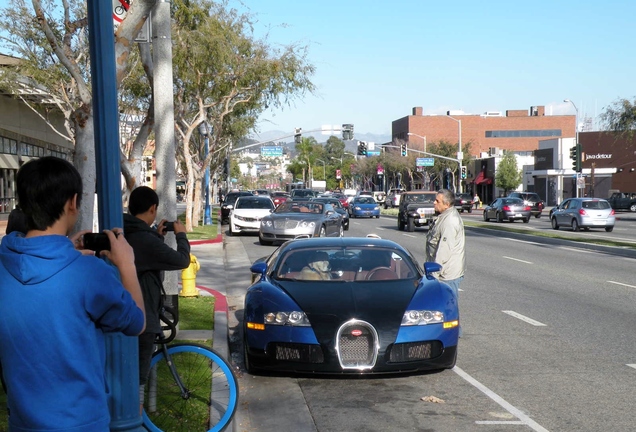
<point x="348" y="306"/>
<point x="364" y="206"/>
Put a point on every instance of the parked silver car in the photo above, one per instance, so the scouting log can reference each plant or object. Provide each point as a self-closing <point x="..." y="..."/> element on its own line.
<point x="507" y="209"/>
<point x="300" y="219"/>
<point x="583" y="213"/>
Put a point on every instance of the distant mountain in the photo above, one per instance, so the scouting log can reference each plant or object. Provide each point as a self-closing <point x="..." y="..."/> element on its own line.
<point x="275" y="137"/>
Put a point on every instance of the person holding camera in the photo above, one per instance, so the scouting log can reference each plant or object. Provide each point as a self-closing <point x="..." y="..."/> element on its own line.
<point x="57" y="302"/>
<point x="152" y="258"/>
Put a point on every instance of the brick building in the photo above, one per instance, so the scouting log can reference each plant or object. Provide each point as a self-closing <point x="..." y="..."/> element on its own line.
<point x="516" y="130"/>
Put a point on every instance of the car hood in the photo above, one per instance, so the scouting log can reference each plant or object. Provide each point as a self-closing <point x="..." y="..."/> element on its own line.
<point x="328" y="305"/>
<point x="250" y="212"/>
<point x="296" y="216"/>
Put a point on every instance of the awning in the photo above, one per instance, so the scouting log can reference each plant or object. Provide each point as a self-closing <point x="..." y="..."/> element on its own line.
<point x="482" y="179"/>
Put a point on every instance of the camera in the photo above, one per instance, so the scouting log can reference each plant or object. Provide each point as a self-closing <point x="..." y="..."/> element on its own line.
<point x="96" y="242"/>
<point x="168" y="226"/>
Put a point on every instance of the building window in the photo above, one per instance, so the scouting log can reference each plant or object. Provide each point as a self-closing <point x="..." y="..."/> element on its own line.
<point x="8" y="146"/>
<point x="32" y="150"/>
<point x="523" y="133"/>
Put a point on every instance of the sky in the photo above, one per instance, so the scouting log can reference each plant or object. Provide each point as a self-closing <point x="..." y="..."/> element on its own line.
<point x="376" y="60"/>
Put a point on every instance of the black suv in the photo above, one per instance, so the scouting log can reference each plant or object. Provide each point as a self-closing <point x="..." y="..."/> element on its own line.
<point x="464" y="201"/>
<point x="228" y="204"/>
<point x="530" y="199"/>
<point x="417" y="208"/>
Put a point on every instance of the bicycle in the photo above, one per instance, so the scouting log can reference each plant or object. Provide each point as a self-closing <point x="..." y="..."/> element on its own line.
<point x="191" y="387"/>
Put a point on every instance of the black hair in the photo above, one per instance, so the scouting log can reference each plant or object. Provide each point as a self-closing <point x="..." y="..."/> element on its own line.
<point x="17" y="221"/>
<point x="141" y="199"/>
<point x="44" y="186"/>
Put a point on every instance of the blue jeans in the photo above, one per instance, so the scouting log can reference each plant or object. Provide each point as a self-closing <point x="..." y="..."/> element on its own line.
<point x="454" y="285"/>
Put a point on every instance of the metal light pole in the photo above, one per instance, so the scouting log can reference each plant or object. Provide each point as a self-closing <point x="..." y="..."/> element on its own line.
<point x="324" y="172"/>
<point x="576" y="142"/>
<point x="459" y="152"/>
<point x="423" y="137"/>
<point x="204" y="130"/>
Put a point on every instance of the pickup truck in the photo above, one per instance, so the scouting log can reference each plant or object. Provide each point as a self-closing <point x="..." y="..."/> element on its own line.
<point x="623" y="201"/>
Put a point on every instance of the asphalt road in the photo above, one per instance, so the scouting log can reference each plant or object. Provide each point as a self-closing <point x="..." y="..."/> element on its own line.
<point x="548" y="345"/>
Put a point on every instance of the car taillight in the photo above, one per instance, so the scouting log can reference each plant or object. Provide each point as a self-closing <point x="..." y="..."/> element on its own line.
<point x="582" y="212"/>
<point x="528" y="208"/>
<point x="612" y="213"/>
<point x="506" y="208"/>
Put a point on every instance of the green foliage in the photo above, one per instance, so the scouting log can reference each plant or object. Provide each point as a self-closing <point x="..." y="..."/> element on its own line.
<point x="620" y="117"/>
<point x="508" y="176"/>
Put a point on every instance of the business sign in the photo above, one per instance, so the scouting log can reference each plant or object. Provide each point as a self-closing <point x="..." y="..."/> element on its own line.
<point x="425" y="162"/>
<point x="338" y="174"/>
<point x="272" y="151"/>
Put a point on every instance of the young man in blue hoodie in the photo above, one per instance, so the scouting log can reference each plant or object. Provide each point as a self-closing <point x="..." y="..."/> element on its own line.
<point x="56" y="302"/>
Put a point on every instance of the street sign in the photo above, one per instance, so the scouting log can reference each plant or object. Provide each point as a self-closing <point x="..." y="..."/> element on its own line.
<point x="373" y="153"/>
<point x="272" y="151"/>
<point x="425" y="162"/>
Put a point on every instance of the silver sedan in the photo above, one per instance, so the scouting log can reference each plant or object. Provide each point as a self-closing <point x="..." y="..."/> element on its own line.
<point x="301" y="219"/>
<point x="507" y="209"/>
<point x="583" y="213"/>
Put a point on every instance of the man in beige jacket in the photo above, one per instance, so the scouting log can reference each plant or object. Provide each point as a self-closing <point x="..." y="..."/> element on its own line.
<point x="445" y="241"/>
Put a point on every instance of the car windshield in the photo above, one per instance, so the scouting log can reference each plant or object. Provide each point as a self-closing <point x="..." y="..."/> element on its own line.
<point x="254" y="203"/>
<point x="365" y="200"/>
<point x="345" y="264"/>
<point x="302" y="193"/>
<point x="300" y="207"/>
<point x="232" y="197"/>
<point x="421" y="198"/>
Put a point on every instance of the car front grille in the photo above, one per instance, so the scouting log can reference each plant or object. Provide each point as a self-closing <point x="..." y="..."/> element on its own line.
<point x="302" y="353"/>
<point x="357" y="345"/>
<point x="285" y="224"/>
<point x="414" y="351"/>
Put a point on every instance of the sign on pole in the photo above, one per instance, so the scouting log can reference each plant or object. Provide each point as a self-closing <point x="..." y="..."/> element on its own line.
<point x="425" y="162"/>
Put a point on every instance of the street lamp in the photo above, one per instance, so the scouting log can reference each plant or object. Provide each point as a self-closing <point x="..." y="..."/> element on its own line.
<point x="324" y="172"/>
<point x="419" y="136"/>
<point x="576" y="139"/>
<point x="205" y="130"/>
<point x="459" y="151"/>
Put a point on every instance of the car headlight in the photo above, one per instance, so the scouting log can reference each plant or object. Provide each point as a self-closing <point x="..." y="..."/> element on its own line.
<point x="266" y="223"/>
<point x="376" y="208"/>
<point x="357" y="207"/>
<point x="422" y="317"/>
<point x="294" y="318"/>
<point x="306" y="224"/>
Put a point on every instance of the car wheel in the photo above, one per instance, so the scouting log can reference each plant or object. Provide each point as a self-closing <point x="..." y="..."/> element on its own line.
<point x="485" y="217"/>
<point x="323" y="231"/>
<point x="575" y="225"/>
<point x="341" y="232"/>
<point x="246" y="359"/>
<point x="632" y="207"/>
<point x="526" y="220"/>
<point x="400" y="224"/>
<point x="346" y="227"/>
<point x="230" y="231"/>
<point x="377" y="217"/>
<point x="609" y="229"/>
<point x="555" y="225"/>
<point x="537" y="215"/>
<point x="410" y="225"/>
<point x="500" y="218"/>
<point x="264" y="242"/>
<point x="470" y="210"/>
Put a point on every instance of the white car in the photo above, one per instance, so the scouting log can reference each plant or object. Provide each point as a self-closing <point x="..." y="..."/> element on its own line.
<point x="247" y="213"/>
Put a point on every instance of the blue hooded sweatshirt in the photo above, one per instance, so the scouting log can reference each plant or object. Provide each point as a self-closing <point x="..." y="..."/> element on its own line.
<point x="55" y="304"/>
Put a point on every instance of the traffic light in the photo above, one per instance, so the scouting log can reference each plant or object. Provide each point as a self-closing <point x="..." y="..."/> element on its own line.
<point x="298" y="135"/>
<point x="576" y="156"/>
<point x="347" y="132"/>
<point x="405" y="150"/>
<point x="362" y="148"/>
<point x="464" y="172"/>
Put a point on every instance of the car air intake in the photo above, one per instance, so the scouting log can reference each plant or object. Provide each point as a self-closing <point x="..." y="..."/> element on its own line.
<point x="414" y="351"/>
<point x="295" y="352"/>
<point x="357" y="345"/>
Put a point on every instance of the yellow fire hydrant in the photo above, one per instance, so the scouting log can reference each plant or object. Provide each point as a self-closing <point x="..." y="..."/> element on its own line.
<point x="189" y="277"/>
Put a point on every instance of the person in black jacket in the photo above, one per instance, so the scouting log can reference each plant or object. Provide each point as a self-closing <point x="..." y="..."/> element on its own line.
<point x="152" y="257"/>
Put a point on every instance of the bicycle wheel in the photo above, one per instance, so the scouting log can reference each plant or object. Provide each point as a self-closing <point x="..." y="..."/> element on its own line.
<point x="212" y="391"/>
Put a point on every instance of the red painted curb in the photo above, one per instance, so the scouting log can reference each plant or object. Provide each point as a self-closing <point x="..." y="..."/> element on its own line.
<point x="220" y="303"/>
<point x="218" y="239"/>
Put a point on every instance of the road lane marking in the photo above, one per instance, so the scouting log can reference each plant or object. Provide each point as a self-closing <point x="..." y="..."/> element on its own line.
<point x="499" y="422"/>
<point x="516" y="259"/>
<point x="524" y="318"/>
<point x="631" y="365"/>
<point x="577" y="250"/>
<point x="409" y="235"/>
<point x="622" y="284"/>
<point x="498" y="399"/>
<point x="523" y="241"/>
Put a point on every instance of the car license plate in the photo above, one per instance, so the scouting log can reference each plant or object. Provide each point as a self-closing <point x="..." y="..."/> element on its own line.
<point x="598" y="222"/>
<point x="421" y="220"/>
<point x="518" y="215"/>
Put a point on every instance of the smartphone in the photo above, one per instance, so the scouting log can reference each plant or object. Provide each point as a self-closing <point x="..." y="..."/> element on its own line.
<point x="96" y="242"/>
<point x="168" y="226"/>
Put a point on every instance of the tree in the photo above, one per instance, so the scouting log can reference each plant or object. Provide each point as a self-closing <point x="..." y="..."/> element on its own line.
<point x="620" y="117"/>
<point x="227" y="77"/>
<point x="51" y="41"/>
<point x="508" y="176"/>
